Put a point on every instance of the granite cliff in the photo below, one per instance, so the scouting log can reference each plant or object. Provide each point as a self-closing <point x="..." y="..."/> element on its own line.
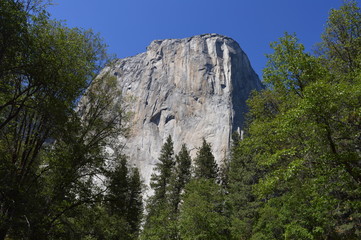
<point x="190" y="88"/>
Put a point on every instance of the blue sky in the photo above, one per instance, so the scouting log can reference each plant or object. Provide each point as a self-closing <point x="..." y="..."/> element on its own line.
<point x="128" y="26"/>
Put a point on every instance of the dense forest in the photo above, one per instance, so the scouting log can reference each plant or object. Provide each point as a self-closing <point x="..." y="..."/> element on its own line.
<point x="294" y="174"/>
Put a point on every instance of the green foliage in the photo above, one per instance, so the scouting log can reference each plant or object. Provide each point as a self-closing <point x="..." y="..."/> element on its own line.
<point x="118" y="188"/>
<point x="205" y="164"/>
<point x="115" y="214"/>
<point x="124" y="198"/>
<point x="160" y="182"/>
<point x="183" y="208"/>
<point x="243" y="175"/>
<point x="181" y="176"/>
<point x="342" y="39"/>
<point x="52" y="146"/>
<point x="134" y="214"/>
<point x="72" y="164"/>
<point x="159" y="222"/>
<point x="202" y="212"/>
<point x="91" y="222"/>
<point x="296" y="175"/>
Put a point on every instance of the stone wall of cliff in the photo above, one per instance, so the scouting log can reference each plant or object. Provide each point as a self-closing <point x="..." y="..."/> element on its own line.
<point x="190" y="88"/>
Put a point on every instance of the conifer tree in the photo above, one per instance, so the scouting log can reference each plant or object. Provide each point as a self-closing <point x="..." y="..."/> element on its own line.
<point x="181" y="176"/>
<point x="205" y="164"/>
<point x="157" y="224"/>
<point x="202" y="211"/>
<point x="118" y="188"/>
<point x="135" y="203"/>
<point x="169" y="211"/>
<point x="124" y="200"/>
<point x="160" y="181"/>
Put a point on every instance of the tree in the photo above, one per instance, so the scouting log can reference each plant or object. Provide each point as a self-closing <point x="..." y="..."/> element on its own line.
<point x="123" y="201"/>
<point x="169" y="210"/>
<point x="160" y="181"/>
<point x="181" y="176"/>
<point x="72" y="166"/>
<point x="301" y="145"/>
<point x="242" y="202"/>
<point x="49" y="154"/>
<point x="118" y="188"/>
<point x="205" y="165"/>
<point x="116" y="214"/>
<point x="342" y="39"/>
<point x="201" y="216"/>
<point x="135" y="203"/>
<point x="162" y="219"/>
<point x="157" y="224"/>
<point x="203" y="212"/>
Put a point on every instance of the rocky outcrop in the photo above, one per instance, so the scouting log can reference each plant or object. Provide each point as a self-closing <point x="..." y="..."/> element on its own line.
<point x="190" y="88"/>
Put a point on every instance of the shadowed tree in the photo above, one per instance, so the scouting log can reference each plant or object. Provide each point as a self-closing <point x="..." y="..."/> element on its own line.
<point x="205" y="164"/>
<point x="157" y="224"/>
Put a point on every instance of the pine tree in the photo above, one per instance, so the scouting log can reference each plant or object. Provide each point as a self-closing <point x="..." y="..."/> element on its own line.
<point x="243" y="175"/>
<point x="160" y="181"/>
<point x="124" y="200"/>
<point x="205" y="164"/>
<point x="181" y="176"/>
<point x="118" y="188"/>
<point x="202" y="211"/>
<point x="135" y="203"/>
<point x="158" y="224"/>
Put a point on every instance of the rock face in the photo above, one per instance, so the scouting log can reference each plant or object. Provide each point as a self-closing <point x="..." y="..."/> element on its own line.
<point x="191" y="89"/>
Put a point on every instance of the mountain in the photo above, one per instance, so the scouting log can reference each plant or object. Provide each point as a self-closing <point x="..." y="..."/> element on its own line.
<point x="191" y="89"/>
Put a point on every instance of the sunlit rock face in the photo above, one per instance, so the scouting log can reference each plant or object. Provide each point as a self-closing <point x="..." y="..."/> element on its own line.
<point x="191" y="89"/>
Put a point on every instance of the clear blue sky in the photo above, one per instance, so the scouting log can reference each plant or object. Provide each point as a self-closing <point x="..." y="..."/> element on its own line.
<point x="128" y="26"/>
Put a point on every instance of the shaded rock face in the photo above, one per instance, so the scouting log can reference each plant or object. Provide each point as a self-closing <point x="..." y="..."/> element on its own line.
<point x="191" y="89"/>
